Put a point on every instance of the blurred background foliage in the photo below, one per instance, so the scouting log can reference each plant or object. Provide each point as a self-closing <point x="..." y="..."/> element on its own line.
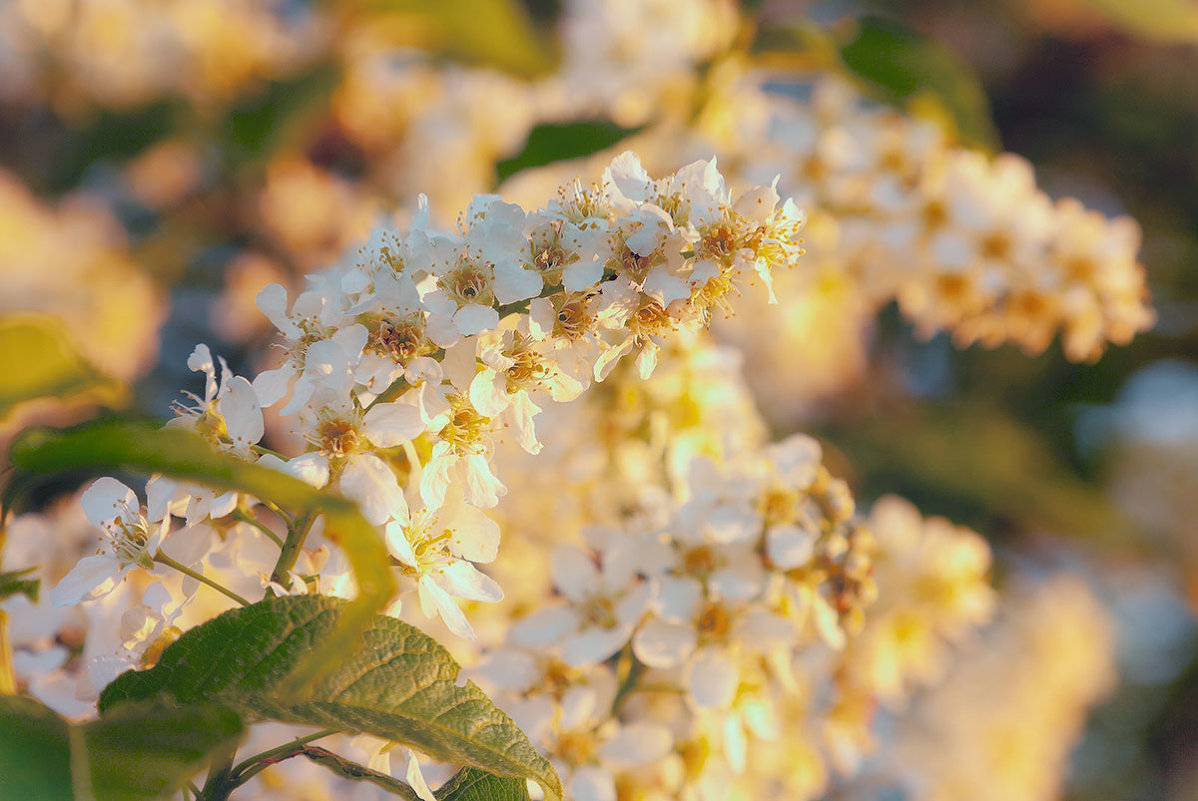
<point x="140" y="213"/>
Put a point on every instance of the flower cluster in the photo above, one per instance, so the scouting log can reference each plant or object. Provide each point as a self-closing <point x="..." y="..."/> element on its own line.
<point x="965" y="242"/>
<point x="404" y="365"/>
<point x="761" y="557"/>
<point x="1011" y="704"/>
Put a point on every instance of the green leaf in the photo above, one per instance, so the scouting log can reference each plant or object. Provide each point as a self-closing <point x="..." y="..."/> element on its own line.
<point x="496" y="33"/>
<point x="135" y="753"/>
<point x="907" y="69"/>
<point x="469" y="784"/>
<point x="13" y="582"/>
<point x="115" y="445"/>
<point x="557" y="142"/>
<point x="398" y="684"/>
<point x="1167" y="21"/>
<point x="40" y="361"/>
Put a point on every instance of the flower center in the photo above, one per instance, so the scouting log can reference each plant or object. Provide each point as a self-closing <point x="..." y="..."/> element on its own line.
<point x="465" y="427"/>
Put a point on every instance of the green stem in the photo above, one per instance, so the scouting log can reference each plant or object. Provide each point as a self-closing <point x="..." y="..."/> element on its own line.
<point x="288" y="519"/>
<point x="630" y="669"/>
<point x="390" y="393"/>
<point x="251" y="767"/>
<point x="246" y="517"/>
<point x="218" y="787"/>
<point x="296" y="535"/>
<point x="263" y="450"/>
<point x="163" y="559"/>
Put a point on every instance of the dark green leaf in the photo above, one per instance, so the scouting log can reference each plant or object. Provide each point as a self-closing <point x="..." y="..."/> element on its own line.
<point x="908" y="69"/>
<point x="40" y="361"/>
<point x="35" y="751"/>
<point x="135" y="753"/>
<point x="281" y="113"/>
<point x="558" y="142"/>
<point x="112" y="135"/>
<point x="398" y="684"/>
<point x="469" y="784"/>
<point x="14" y="582"/>
<point x="114" y="445"/>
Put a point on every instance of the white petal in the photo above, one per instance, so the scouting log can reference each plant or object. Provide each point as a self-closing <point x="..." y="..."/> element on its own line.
<point x="160" y="494"/>
<point x="482" y="487"/>
<point x="678" y="598"/>
<point x="488" y="392"/>
<point x="397" y="543"/>
<point x="581" y="275"/>
<point x="352" y="339"/>
<point x="189" y="545"/>
<point x="636" y="744"/>
<point x="200" y="361"/>
<point x="367" y="480"/>
<point x="475" y="536"/>
<point x="416" y="780"/>
<point x="452" y="616"/>
<point x="91" y="578"/>
<point x="712" y="679"/>
<point x="591" y="784"/>
<point x="544" y="626"/>
<point x="735" y="746"/>
<point x="664" y="645"/>
<point x="310" y="468"/>
<point x="514" y="283"/>
<point x="789" y="546"/>
<point x="271" y="385"/>
<point x="242" y="412"/>
<point x="509" y="669"/>
<point x="475" y="318"/>
<point x="593" y="645"/>
<point x="463" y="580"/>
<point x="107" y="499"/>
<point x="272" y="301"/>
<point x="742" y="579"/>
<point x="574" y="572"/>
<point x="434" y="478"/>
<point x="608" y="359"/>
<point x="391" y="424"/>
<point x="760" y="630"/>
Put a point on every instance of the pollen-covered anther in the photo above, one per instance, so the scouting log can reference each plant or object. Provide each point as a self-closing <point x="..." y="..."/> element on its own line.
<point x="469" y="283"/>
<point x="715" y="292"/>
<point x="527" y="368"/>
<point x="720" y="242"/>
<point x="337" y="437"/>
<point x="466" y="427"/>
<point x="714" y="621"/>
<point x="402" y="340"/>
<point x="651" y="318"/>
<point x="699" y="561"/>
<point x="577" y="747"/>
<point x="601" y="612"/>
<point x="778" y="504"/>
<point x="574" y="317"/>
